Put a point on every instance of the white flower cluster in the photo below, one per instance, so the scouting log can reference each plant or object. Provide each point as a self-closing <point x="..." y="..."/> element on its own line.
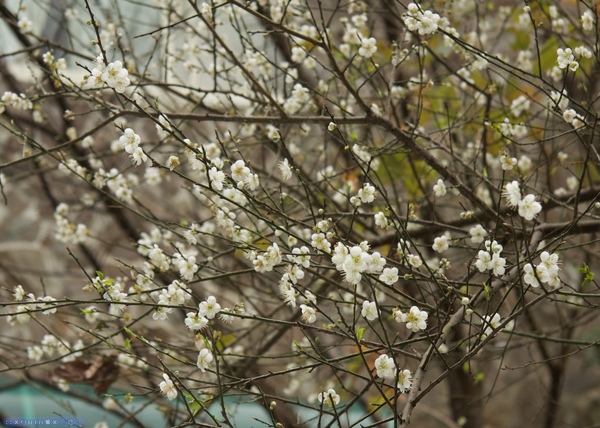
<point x="355" y="261"/>
<point x="300" y="258"/>
<point x="298" y="101"/>
<point x="207" y="310"/>
<point x="68" y="232"/>
<point x="573" y="118"/>
<point x="386" y="369"/>
<point x="415" y="318"/>
<point x="368" y="47"/>
<point x="565" y="58"/>
<point x="382" y="221"/>
<point x="320" y="242"/>
<point x="441" y="243"/>
<point x="256" y="63"/>
<point x="528" y="207"/>
<point x="25" y="24"/>
<point x="403" y="253"/>
<point x="478" y="234"/>
<point x="490" y="259"/>
<point x="112" y="292"/>
<point x="362" y="153"/>
<point x="243" y="176"/>
<point x="546" y="271"/>
<point x="422" y="22"/>
<point x="186" y="264"/>
<point x="512" y="130"/>
<point x="167" y="388"/>
<point x="491" y="323"/>
<point x="365" y="195"/>
<point x="113" y="75"/>
<point x="520" y="105"/>
<point x="53" y="64"/>
<point x="309" y="314"/>
<point x="330" y="397"/>
<point x="23" y="312"/>
<point x="175" y="294"/>
<point x="266" y="261"/>
<point x="131" y="143"/>
<point x="439" y="188"/>
<point x="507" y="162"/>
<point x="10" y="99"/>
<point x="52" y="345"/>
<point x="369" y="310"/>
<point x="588" y="20"/>
<point x="205" y="358"/>
<point x="122" y="186"/>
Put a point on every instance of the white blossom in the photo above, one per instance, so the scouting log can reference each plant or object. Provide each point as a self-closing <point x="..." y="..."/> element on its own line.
<point x="369" y="310"/>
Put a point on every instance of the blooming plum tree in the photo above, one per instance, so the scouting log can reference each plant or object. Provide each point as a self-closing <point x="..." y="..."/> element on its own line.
<point x="328" y="209"/>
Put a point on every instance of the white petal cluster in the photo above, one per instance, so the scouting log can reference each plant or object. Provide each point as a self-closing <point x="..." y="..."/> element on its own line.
<point x="422" y="22"/>
<point x="114" y="75"/>
<point x="528" y="207"/>
<point x="478" y="234"/>
<point x="441" y="243"/>
<point x="319" y="241"/>
<point x="490" y="259"/>
<point x="507" y="162"/>
<point x="355" y="261"/>
<point x="512" y="130"/>
<point x="194" y="321"/>
<point x="309" y="314"/>
<point x="167" y="388"/>
<point x="369" y="310"/>
<point x="368" y="47"/>
<point x="520" y="105"/>
<point x="415" y="318"/>
<point x="243" y="176"/>
<point x="404" y="381"/>
<point x="572" y="117"/>
<point x="205" y="358"/>
<point x="389" y="276"/>
<point x="546" y="271"/>
<point x="439" y="188"/>
<point x="266" y="261"/>
<point x="565" y="58"/>
<point x="67" y="232"/>
<point x="24" y="312"/>
<point x="385" y="367"/>
<point x="285" y="169"/>
<point x="330" y="397"/>
<point x="51" y="345"/>
<point x="491" y="323"/>
<point x="587" y="21"/>
<point x="365" y="195"/>
<point x="19" y="101"/>
<point x="209" y="308"/>
<point x="363" y="154"/>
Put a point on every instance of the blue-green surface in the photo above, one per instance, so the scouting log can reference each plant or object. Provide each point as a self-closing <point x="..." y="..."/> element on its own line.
<point x="31" y="404"/>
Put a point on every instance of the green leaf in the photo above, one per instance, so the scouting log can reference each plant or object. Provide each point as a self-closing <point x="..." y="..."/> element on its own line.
<point x="486" y="289"/>
<point x="359" y="333"/>
<point x="100" y="275"/>
<point x="589" y="275"/>
<point x="193" y="404"/>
